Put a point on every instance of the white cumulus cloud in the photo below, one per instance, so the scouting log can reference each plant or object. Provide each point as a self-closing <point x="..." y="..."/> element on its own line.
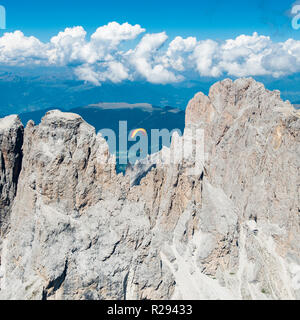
<point x="176" y="56"/>
<point x="17" y="49"/>
<point x="145" y="59"/>
<point x="152" y="57"/>
<point x="114" y="33"/>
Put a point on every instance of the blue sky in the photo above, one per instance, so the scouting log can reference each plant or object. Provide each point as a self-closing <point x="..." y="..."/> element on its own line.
<point x="204" y="19"/>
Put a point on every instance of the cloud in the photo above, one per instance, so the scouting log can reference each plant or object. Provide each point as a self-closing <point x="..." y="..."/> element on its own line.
<point x="113" y="71"/>
<point x="206" y="59"/>
<point x="16" y="49"/>
<point x="152" y="57"/>
<point x="145" y="59"/>
<point x="176" y="56"/>
<point x="69" y="47"/>
<point x="86" y="73"/>
<point x="113" y="33"/>
<point x="243" y="56"/>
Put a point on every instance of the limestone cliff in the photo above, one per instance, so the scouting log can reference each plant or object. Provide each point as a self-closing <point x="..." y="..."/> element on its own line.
<point x="11" y="140"/>
<point x="231" y="231"/>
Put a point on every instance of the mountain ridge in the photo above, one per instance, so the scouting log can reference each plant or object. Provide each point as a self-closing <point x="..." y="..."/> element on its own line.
<point x="230" y="231"/>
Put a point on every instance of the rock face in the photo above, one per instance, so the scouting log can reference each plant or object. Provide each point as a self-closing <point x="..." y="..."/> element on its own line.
<point x="11" y="140"/>
<point x="230" y="230"/>
<point x="252" y="139"/>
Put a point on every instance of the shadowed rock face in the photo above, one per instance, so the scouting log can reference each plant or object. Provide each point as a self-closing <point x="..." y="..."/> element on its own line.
<point x="80" y="231"/>
<point x="11" y="140"/>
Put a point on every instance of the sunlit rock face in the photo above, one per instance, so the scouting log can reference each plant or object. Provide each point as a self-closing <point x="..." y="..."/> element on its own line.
<point x="252" y="142"/>
<point x="230" y="230"/>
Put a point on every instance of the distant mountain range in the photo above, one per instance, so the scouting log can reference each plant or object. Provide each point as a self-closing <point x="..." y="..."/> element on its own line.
<point x="25" y="90"/>
<point x="108" y="115"/>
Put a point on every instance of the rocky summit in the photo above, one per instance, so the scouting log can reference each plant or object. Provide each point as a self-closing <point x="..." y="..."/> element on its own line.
<point x="72" y="228"/>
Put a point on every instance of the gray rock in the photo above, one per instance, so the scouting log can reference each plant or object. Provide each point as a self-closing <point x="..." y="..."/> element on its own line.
<point x="11" y="140"/>
<point x="229" y="231"/>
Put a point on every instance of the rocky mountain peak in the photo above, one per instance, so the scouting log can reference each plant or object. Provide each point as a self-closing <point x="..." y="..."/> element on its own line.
<point x="80" y="231"/>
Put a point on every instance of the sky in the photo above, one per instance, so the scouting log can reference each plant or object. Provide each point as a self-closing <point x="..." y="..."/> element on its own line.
<point x="158" y="41"/>
<point x="215" y="19"/>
